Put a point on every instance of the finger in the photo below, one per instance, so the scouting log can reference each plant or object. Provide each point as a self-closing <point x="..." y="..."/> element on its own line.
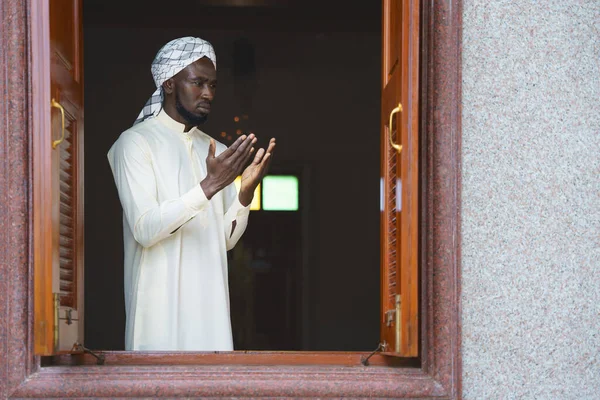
<point x="266" y="161"/>
<point x="242" y="145"/>
<point x="243" y="163"/>
<point x="264" y="165"/>
<point x="243" y="153"/>
<point x="211" y="148"/>
<point x="271" y="147"/>
<point x="269" y="152"/>
<point x="248" y="156"/>
<point x="232" y="149"/>
<point x="259" y="155"/>
<point x="247" y="144"/>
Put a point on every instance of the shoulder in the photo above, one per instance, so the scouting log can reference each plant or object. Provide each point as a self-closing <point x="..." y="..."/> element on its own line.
<point x="132" y="140"/>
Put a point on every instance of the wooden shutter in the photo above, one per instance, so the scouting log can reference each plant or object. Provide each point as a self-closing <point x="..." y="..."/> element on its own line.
<point x="58" y="190"/>
<point x="399" y="171"/>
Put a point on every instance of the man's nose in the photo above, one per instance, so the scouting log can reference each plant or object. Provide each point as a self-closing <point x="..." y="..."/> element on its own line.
<point x="207" y="92"/>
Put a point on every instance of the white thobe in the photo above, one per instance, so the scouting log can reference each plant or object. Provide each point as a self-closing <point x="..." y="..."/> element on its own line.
<point x="175" y="239"/>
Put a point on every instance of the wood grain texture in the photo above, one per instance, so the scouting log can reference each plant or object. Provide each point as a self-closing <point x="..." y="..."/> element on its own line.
<point x="66" y="66"/>
<point x="41" y="164"/>
<point x="400" y="174"/>
<point x="410" y="178"/>
<point x="390" y="168"/>
<point x="57" y="212"/>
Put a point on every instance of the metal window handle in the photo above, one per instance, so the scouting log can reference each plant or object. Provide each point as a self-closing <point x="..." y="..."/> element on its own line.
<point x="398" y="147"/>
<point x="56" y="104"/>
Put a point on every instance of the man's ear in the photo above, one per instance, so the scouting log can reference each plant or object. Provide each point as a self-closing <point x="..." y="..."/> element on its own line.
<point x="168" y="86"/>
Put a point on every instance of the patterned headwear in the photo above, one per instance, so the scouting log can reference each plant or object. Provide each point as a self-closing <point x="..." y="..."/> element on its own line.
<point x="170" y="59"/>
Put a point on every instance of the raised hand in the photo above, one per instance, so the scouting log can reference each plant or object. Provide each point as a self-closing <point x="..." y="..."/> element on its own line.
<point x="255" y="172"/>
<point x="222" y="170"/>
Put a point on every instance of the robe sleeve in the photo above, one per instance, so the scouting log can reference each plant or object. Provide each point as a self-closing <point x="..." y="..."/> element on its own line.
<point x="235" y="212"/>
<point x="149" y="220"/>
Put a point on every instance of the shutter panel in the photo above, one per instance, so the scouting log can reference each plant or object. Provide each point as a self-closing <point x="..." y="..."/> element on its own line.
<point x="399" y="147"/>
<point x="391" y="239"/>
<point x="58" y="188"/>
<point x="67" y="268"/>
<point x="67" y="238"/>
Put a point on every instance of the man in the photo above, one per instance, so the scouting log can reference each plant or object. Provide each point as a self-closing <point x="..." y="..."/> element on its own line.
<point x="181" y="210"/>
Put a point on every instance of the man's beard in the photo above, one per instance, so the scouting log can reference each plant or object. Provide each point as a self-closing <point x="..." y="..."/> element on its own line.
<point x="191" y="119"/>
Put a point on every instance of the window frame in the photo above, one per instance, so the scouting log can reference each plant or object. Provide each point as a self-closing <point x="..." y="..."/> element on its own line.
<point x="305" y="374"/>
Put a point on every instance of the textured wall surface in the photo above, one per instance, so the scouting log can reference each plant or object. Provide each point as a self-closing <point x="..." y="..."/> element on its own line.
<point x="531" y="199"/>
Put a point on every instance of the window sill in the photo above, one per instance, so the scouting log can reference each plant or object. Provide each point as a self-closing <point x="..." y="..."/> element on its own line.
<point x="247" y="358"/>
<point x="193" y="374"/>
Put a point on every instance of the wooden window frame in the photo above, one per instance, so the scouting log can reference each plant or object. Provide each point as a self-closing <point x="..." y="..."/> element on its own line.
<point x="302" y="374"/>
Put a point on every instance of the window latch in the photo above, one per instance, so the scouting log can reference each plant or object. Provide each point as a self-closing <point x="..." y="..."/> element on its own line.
<point x="365" y="359"/>
<point x="79" y="347"/>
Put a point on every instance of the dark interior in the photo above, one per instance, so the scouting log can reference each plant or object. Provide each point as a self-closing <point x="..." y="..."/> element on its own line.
<point x="305" y="72"/>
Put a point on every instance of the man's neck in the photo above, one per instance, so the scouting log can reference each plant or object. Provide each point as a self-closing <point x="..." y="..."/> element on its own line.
<point x="172" y="112"/>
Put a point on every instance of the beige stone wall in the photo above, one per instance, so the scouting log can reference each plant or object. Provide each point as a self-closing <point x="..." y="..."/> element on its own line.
<point x="531" y="199"/>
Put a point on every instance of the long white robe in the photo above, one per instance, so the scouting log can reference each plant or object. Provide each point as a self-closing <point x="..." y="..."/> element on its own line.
<point x="175" y="239"/>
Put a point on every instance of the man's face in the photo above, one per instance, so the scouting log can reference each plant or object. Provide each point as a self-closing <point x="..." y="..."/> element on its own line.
<point x="194" y="89"/>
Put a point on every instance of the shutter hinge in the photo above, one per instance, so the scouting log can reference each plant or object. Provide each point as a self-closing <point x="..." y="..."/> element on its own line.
<point x="398" y="322"/>
<point x="56" y="300"/>
<point x="395" y="316"/>
<point x="389" y="317"/>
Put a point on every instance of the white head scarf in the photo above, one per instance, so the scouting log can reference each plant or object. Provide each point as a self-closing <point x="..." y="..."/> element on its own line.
<point x="170" y="59"/>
